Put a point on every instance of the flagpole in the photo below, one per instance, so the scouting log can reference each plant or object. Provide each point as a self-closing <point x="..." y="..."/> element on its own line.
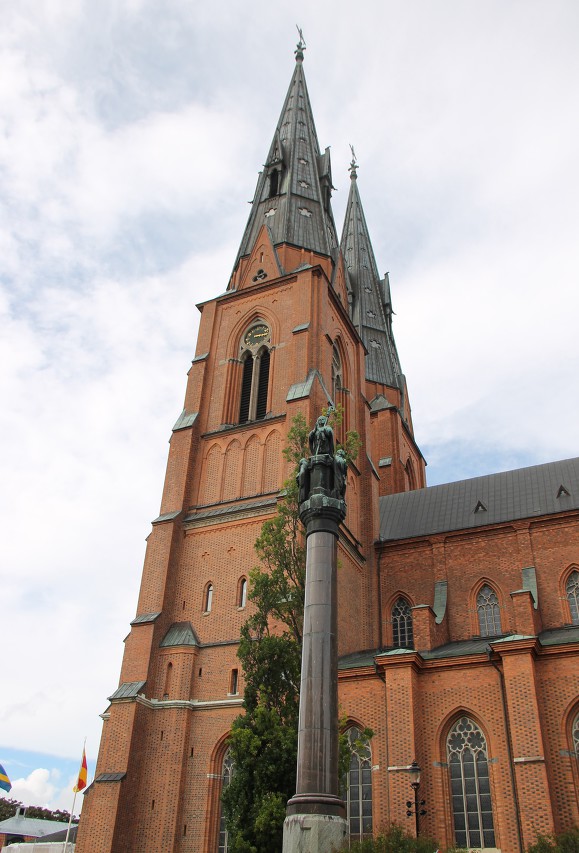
<point x="74" y="801"/>
<point x="70" y="821"/>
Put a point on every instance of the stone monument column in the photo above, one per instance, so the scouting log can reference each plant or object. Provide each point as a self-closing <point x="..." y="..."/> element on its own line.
<point x="315" y="821"/>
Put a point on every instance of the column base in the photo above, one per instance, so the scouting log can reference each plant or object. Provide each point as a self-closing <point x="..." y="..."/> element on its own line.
<point x="313" y="833"/>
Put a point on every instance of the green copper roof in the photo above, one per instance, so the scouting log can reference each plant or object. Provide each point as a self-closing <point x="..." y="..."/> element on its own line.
<point x="180" y="634"/>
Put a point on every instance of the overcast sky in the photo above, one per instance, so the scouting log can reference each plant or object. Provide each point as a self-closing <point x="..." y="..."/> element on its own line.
<point x="131" y="135"/>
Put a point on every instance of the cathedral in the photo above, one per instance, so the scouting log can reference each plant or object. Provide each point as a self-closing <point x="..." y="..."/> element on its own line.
<point x="458" y="605"/>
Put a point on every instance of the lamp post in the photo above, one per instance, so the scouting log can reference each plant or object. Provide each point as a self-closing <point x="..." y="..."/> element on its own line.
<point x="418" y="811"/>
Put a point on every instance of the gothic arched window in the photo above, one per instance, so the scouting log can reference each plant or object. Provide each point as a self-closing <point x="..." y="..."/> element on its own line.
<point x="226" y="775"/>
<point x="575" y="735"/>
<point x="489" y="617"/>
<point x="242" y="592"/>
<point x="208" y="598"/>
<point x="338" y="391"/>
<point x="357" y="791"/>
<point x="470" y="785"/>
<point x="402" y="634"/>
<point x="273" y="183"/>
<point x="255" y="359"/>
<point x="572" y="593"/>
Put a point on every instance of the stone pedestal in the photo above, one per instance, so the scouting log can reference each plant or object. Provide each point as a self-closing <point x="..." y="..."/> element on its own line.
<point x="313" y="833"/>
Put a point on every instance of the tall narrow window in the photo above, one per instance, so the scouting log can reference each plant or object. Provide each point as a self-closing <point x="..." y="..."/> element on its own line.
<point x="246" y="388"/>
<point x="575" y="734"/>
<point x="208" y="599"/>
<point x="357" y="790"/>
<point x="470" y="786"/>
<point x="489" y="617"/>
<point x="255" y="359"/>
<point x="338" y="394"/>
<point x="242" y="592"/>
<point x="402" y="634"/>
<point x="572" y="592"/>
<point x="273" y="182"/>
<point x="234" y="682"/>
<point x="226" y="775"/>
<point x="261" y="406"/>
<point x="168" y="680"/>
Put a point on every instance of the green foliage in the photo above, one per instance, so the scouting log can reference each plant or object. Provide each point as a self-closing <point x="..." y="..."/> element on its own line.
<point x="394" y="840"/>
<point x="263" y="741"/>
<point x="347" y="747"/>
<point x="8" y="809"/>
<point x="352" y="442"/>
<point x="565" y="842"/>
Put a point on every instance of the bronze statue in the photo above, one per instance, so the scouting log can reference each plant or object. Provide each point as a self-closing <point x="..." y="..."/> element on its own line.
<point x="321" y="438"/>
<point x="340" y="473"/>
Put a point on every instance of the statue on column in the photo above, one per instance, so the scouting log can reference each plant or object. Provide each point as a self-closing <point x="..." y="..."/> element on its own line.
<point x="325" y="472"/>
<point x="321" y="438"/>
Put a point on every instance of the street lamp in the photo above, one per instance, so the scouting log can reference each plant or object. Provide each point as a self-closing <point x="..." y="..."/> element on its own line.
<point x="418" y="812"/>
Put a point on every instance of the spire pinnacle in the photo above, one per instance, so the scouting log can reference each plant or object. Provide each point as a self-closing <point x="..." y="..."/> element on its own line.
<point x="353" y="167"/>
<point x="301" y="46"/>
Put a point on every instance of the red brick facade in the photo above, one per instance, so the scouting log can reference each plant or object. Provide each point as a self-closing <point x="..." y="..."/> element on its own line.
<point x="158" y="776"/>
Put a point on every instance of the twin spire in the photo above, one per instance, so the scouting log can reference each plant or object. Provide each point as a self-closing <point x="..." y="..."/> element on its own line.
<point x="292" y="199"/>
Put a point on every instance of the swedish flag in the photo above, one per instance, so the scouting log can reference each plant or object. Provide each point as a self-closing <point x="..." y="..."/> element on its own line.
<point x="5" y="782"/>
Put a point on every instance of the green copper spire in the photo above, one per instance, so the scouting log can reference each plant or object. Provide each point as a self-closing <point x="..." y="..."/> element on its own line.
<point x="294" y="189"/>
<point x="371" y="307"/>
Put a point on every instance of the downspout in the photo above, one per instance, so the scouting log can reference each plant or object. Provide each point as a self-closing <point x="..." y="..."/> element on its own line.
<point x="509" y="747"/>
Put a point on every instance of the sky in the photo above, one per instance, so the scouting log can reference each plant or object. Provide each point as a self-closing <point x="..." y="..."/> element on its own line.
<point x="131" y="136"/>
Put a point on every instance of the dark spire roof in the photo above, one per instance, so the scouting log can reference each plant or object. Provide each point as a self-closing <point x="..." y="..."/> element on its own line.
<point x="371" y="304"/>
<point x="293" y="190"/>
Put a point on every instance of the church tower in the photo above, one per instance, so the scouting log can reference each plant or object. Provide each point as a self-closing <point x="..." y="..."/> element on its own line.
<point x="305" y="321"/>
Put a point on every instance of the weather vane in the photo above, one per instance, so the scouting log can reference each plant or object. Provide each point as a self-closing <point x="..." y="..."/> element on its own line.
<point x="301" y="45"/>
<point x="353" y="164"/>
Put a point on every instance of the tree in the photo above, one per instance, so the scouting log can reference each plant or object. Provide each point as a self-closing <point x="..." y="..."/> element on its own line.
<point x="263" y="741"/>
<point x="8" y="809"/>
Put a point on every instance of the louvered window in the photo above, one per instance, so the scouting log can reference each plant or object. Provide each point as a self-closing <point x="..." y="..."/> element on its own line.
<point x="470" y="785"/>
<point x="255" y="359"/>
<point x="246" y="389"/>
<point x="261" y="407"/>
<point x="572" y="591"/>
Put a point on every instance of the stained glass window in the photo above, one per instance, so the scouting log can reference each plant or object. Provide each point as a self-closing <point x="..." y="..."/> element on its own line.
<point x="489" y="617"/>
<point x="470" y="786"/>
<point x="357" y="791"/>
<point x="402" y="634"/>
<point x="572" y="591"/>
<point x="227" y="773"/>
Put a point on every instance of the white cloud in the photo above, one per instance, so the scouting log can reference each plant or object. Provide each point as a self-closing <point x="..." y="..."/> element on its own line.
<point x="130" y="138"/>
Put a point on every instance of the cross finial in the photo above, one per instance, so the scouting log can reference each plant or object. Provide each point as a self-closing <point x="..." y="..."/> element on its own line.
<point x="353" y="164"/>
<point x="301" y="46"/>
